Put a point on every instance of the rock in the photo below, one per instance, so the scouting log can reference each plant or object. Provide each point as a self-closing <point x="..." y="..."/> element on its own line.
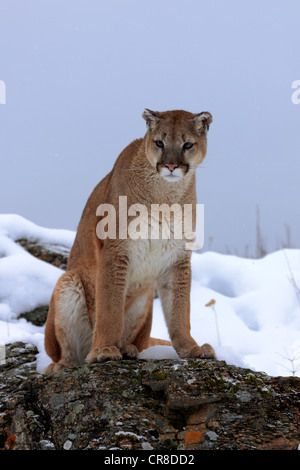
<point x="37" y="316"/>
<point x="56" y="255"/>
<point x="191" y="404"/>
<point x="211" y="435"/>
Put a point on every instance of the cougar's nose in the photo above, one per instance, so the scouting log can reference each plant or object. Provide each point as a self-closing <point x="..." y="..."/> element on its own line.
<point x="171" y="166"/>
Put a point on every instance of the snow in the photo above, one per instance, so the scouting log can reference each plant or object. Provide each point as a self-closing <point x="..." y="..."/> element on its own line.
<point x="247" y="309"/>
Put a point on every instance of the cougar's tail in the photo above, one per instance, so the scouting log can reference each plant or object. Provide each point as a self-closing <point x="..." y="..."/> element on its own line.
<point x="161" y="342"/>
<point x="52" y="347"/>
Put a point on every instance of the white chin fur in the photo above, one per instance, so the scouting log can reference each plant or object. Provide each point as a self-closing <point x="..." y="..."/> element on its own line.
<point x="172" y="177"/>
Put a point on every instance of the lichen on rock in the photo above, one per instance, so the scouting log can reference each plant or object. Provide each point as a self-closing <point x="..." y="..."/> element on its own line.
<point x="191" y="404"/>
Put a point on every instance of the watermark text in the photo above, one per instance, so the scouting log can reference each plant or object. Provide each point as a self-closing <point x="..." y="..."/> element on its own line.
<point x="296" y="94"/>
<point x="2" y="354"/>
<point x="2" y="92"/>
<point x="161" y="222"/>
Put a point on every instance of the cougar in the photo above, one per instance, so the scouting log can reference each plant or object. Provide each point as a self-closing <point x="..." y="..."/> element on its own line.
<point x="101" y="307"/>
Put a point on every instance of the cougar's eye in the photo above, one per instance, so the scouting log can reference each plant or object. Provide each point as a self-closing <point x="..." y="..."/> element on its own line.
<point x="159" y="143"/>
<point x="188" y="145"/>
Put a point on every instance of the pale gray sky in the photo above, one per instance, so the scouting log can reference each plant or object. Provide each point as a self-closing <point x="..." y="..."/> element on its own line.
<point x="79" y="73"/>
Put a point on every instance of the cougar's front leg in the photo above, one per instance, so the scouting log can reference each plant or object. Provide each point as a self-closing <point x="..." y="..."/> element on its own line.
<point x="174" y="291"/>
<point x="110" y="303"/>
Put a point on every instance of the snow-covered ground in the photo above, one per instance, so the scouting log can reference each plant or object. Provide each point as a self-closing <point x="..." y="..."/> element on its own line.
<point x="252" y="320"/>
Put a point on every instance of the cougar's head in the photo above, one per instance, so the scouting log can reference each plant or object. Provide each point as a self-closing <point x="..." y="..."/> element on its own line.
<point x="176" y="141"/>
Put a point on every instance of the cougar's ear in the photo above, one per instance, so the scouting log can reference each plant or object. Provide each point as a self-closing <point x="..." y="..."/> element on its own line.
<point x="202" y="121"/>
<point x="151" y="118"/>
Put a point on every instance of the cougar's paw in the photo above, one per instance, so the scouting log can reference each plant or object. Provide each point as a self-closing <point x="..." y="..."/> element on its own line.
<point x="56" y="366"/>
<point x="50" y="368"/>
<point x="108" y="353"/>
<point x="206" y="351"/>
<point x="129" y="351"/>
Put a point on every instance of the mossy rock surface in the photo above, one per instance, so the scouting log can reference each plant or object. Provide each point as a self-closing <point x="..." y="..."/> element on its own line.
<point x="160" y="405"/>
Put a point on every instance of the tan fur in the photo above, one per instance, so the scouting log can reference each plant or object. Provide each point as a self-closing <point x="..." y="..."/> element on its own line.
<point x="101" y="308"/>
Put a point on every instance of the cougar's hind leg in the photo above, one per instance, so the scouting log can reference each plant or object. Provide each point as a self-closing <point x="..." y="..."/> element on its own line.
<point x="69" y="323"/>
<point x="143" y="340"/>
<point x="140" y="314"/>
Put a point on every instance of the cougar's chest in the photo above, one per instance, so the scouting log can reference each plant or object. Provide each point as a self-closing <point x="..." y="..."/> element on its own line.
<point x="150" y="258"/>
